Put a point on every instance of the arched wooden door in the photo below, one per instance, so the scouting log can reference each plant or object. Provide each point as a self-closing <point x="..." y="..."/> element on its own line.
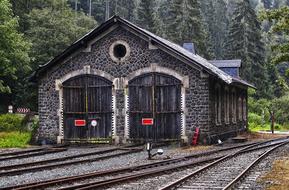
<point x="87" y="98"/>
<point x="157" y="96"/>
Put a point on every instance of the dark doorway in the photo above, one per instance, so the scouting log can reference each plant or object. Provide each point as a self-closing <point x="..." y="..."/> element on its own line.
<point x="157" y="96"/>
<point x="89" y="98"/>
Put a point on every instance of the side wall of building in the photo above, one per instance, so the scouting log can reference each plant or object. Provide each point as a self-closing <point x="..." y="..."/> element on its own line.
<point x="96" y="59"/>
<point x="228" y="110"/>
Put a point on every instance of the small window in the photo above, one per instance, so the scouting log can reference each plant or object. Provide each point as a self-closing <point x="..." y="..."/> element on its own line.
<point x="119" y="51"/>
<point x="240" y="107"/>
<point x="218" y="108"/>
<point x="234" y="106"/>
<point x="244" y="109"/>
<point x="227" y="107"/>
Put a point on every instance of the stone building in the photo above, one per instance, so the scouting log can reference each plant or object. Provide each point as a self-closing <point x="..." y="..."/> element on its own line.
<point x="122" y="83"/>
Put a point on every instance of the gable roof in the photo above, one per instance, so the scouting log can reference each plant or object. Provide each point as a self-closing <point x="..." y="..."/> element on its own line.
<point x="226" y="63"/>
<point x="194" y="59"/>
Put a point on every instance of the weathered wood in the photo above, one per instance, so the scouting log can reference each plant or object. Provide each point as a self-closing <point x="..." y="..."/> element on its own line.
<point x="87" y="97"/>
<point x="155" y="96"/>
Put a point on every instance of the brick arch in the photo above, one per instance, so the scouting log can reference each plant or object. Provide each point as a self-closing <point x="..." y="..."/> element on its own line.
<point x="158" y="69"/>
<point x="85" y="70"/>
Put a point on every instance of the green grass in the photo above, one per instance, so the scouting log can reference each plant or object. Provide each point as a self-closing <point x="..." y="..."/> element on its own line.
<point x="14" y="139"/>
<point x="266" y="127"/>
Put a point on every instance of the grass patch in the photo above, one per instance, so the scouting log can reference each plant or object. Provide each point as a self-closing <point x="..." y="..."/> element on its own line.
<point x="253" y="127"/>
<point x="14" y="139"/>
<point x="279" y="175"/>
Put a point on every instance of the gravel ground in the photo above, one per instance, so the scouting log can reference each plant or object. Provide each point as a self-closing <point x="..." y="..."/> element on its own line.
<point x="248" y="183"/>
<point x="253" y="179"/>
<point x="112" y="163"/>
<point x="154" y="179"/>
<point x="200" y="181"/>
<point x="69" y="152"/>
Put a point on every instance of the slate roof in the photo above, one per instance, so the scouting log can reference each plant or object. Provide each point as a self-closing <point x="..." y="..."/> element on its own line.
<point x="226" y="63"/>
<point x="180" y="51"/>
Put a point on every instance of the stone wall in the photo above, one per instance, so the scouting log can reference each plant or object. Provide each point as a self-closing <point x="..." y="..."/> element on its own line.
<point x="229" y="128"/>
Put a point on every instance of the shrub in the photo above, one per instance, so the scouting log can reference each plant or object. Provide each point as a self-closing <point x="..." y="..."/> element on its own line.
<point x="255" y="118"/>
<point x="10" y="122"/>
<point x="14" y="139"/>
<point x="281" y="108"/>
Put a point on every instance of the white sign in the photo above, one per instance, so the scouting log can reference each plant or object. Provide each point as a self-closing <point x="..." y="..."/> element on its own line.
<point x="10" y="109"/>
<point x="93" y="123"/>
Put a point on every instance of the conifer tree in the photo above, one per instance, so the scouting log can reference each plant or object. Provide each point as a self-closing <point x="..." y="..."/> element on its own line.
<point x="146" y="15"/>
<point x="184" y="24"/>
<point x="216" y="21"/>
<point x="126" y="9"/>
<point x="244" y="41"/>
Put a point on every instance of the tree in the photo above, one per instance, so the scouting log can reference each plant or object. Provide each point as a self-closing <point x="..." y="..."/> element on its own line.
<point x="126" y="9"/>
<point x="174" y="21"/>
<point x="14" y="49"/>
<point x="146" y="15"/>
<point x="184" y="24"/>
<point x="244" y="41"/>
<point x="216" y="24"/>
<point x="53" y="28"/>
<point x="279" y="19"/>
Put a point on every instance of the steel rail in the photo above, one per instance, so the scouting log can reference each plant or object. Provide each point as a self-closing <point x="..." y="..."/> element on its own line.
<point x="254" y="163"/>
<point x="58" y="159"/>
<point x="42" y="167"/>
<point x="29" y="150"/>
<point x="43" y="152"/>
<point x="109" y="182"/>
<point x="41" y="184"/>
<point x="183" y="179"/>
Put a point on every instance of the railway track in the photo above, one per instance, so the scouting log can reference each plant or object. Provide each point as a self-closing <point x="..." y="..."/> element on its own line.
<point x="19" y="152"/>
<point x="52" y="163"/>
<point x="31" y="153"/>
<point x="135" y="172"/>
<point x="21" y="168"/>
<point x="223" y="173"/>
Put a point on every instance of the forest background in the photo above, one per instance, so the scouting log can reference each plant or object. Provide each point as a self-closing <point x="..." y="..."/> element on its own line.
<point x="256" y="31"/>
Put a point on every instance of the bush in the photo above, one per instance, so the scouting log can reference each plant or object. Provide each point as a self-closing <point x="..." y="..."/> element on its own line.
<point x="10" y="122"/>
<point x="255" y="118"/>
<point x="281" y="108"/>
<point x="14" y="139"/>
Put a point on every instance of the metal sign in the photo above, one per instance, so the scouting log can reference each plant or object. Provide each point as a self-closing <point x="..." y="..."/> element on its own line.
<point x="79" y="123"/>
<point x="147" y="121"/>
<point x="23" y="110"/>
<point x="10" y="109"/>
<point x="94" y="123"/>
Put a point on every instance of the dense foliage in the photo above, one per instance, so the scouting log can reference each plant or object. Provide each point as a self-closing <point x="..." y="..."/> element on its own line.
<point x="58" y="23"/>
<point x="13" y="49"/>
<point x="14" y="139"/>
<point x="10" y="122"/>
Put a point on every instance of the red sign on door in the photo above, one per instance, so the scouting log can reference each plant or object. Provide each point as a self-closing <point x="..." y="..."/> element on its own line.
<point x="147" y="121"/>
<point x="79" y="123"/>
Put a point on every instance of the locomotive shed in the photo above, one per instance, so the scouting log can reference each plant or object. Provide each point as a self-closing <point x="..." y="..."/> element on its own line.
<point x="120" y="83"/>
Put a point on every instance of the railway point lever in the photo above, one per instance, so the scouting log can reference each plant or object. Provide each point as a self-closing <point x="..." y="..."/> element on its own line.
<point x="149" y="147"/>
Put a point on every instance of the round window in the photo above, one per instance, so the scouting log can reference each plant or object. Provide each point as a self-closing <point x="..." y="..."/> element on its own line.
<point x="119" y="51"/>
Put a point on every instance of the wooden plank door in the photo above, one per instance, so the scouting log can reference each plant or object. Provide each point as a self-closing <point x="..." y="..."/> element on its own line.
<point x="156" y="96"/>
<point x="87" y="97"/>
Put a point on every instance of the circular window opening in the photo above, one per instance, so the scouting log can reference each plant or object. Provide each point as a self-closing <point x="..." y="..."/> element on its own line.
<point x="119" y="51"/>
